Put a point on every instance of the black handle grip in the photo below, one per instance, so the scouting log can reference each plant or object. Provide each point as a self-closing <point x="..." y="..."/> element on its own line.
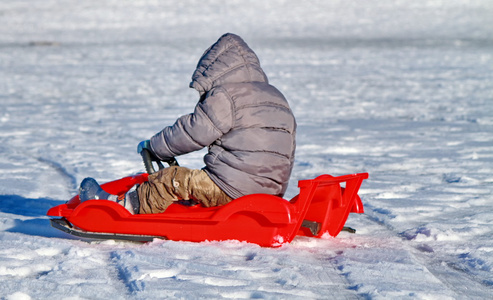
<point x="149" y="158"/>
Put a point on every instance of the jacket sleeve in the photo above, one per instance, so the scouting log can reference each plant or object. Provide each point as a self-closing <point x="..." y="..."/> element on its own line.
<point x="211" y="119"/>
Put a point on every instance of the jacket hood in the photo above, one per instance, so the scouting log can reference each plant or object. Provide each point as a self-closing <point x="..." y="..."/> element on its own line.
<point x="229" y="60"/>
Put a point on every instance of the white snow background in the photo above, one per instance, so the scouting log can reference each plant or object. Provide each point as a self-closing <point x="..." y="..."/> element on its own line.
<point x="400" y="89"/>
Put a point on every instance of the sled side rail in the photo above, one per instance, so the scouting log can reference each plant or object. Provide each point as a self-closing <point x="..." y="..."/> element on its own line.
<point x="273" y="209"/>
<point x="331" y="204"/>
<point x="121" y="186"/>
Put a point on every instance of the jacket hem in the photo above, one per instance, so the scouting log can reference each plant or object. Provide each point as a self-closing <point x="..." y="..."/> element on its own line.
<point x="230" y="191"/>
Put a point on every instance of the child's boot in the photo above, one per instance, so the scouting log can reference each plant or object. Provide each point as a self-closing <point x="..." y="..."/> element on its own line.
<point x="90" y="189"/>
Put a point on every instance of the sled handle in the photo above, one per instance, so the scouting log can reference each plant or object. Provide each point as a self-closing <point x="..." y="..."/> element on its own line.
<point x="148" y="158"/>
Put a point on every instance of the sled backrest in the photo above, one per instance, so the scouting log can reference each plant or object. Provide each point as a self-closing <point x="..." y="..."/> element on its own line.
<point x="330" y="203"/>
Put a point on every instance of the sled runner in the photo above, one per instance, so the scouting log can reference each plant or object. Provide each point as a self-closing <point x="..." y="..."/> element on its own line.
<point x="321" y="207"/>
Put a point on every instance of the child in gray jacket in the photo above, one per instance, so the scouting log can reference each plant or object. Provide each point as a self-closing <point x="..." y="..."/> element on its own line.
<point x="245" y="122"/>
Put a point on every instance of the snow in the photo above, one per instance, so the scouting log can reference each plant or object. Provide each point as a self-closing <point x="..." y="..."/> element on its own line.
<point x="402" y="90"/>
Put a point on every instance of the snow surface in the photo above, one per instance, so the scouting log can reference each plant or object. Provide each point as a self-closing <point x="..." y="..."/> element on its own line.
<point x="400" y="89"/>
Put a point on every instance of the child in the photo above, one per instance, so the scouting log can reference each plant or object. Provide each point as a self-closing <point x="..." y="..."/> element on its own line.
<point x="245" y="122"/>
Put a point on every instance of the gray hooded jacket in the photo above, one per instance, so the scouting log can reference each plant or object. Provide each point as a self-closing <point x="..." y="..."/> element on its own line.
<point x="246" y="123"/>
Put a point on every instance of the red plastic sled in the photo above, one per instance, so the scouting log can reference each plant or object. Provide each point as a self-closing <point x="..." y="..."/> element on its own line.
<point x="321" y="207"/>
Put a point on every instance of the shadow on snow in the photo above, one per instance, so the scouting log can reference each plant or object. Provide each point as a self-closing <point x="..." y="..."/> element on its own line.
<point x="28" y="216"/>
